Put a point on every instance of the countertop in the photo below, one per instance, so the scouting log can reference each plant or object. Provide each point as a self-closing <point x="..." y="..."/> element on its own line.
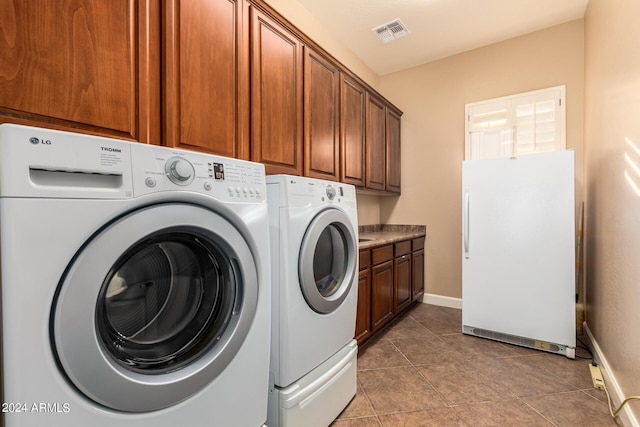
<point x="384" y="234"/>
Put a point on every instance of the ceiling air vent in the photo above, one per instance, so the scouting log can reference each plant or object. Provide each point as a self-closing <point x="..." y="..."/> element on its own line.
<point x="391" y="30"/>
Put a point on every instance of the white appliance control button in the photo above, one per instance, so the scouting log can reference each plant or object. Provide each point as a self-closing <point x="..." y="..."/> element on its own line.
<point x="179" y="171"/>
<point x="150" y="182"/>
<point x="230" y="190"/>
<point x="208" y="186"/>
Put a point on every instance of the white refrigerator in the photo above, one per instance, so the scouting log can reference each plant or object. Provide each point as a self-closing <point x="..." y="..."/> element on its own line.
<point x="518" y="250"/>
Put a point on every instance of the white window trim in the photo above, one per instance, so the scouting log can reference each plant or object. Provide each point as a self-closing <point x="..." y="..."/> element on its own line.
<point x="510" y="122"/>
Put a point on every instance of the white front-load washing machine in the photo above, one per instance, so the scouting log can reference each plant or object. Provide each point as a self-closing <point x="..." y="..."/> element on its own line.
<point x="135" y="284"/>
<point x="314" y="254"/>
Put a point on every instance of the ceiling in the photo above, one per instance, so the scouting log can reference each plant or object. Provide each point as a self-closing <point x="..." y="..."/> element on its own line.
<point x="437" y="28"/>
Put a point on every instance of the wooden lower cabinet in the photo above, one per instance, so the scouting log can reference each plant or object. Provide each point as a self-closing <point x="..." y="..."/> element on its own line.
<point x="417" y="268"/>
<point x="381" y="294"/>
<point x="402" y="278"/>
<point x="363" y="317"/>
<point x="402" y="275"/>
<point x="390" y="279"/>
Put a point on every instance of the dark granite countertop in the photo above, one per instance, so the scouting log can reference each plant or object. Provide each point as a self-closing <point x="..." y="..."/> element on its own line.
<point x="383" y="234"/>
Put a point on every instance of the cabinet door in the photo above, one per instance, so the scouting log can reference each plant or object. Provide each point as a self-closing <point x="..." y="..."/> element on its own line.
<point x="381" y="294"/>
<point x="363" y="316"/>
<point x="402" y="281"/>
<point x="393" y="158"/>
<point x="321" y="117"/>
<point x="276" y="96"/>
<point x="205" y="77"/>
<point x="86" y="65"/>
<point x="375" y="143"/>
<point x="417" y="274"/>
<point x="352" y="131"/>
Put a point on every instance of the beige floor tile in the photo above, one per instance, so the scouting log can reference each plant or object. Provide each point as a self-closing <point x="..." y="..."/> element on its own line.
<point x="426" y="350"/>
<point x="458" y="383"/>
<point x="440" y="417"/>
<point x="572" y="409"/>
<point x="398" y="390"/>
<point x="512" y="413"/>
<point x="520" y="376"/>
<point x="439" y="320"/>
<point x="571" y="371"/>
<point x="358" y="407"/>
<point x="357" y="422"/>
<point x="422" y="371"/>
<point x="477" y="348"/>
<point x="407" y="327"/>
<point x="381" y="354"/>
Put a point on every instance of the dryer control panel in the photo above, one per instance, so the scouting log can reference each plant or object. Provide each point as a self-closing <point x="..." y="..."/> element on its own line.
<point x="160" y="168"/>
<point x="309" y="192"/>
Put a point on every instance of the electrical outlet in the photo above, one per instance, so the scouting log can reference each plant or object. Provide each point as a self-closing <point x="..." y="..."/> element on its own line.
<point x="596" y="376"/>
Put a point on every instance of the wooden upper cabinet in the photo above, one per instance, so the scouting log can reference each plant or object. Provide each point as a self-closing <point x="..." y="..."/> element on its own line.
<point x="205" y="85"/>
<point x="321" y="117"/>
<point x="393" y="158"/>
<point x="276" y="96"/>
<point x="375" y="143"/>
<point x="86" y="65"/>
<point x="352" y="131"/>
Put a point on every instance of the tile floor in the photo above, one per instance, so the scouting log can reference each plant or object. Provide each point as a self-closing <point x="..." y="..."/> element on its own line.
<point x="422" y="371"/>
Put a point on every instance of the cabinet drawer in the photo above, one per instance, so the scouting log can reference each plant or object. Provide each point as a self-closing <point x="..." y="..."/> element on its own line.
<point x="365" y="259"/>
<point x="403" y="248"/>
<point x="417" y="244"/>
<point x="381" y="254"/>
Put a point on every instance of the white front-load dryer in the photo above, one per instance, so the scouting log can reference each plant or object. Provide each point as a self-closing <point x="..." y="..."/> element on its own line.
<point x="314" y="254"/>
<point x="135" y="284"/>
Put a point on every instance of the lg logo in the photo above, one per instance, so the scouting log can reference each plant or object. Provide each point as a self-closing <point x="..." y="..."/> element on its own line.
<point x="36" y="141"/>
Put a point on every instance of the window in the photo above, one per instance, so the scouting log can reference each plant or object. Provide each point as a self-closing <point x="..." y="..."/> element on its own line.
<point x="531" y="122"/>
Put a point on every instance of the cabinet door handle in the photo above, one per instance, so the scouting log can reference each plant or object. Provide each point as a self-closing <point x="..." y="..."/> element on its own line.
<point x="465" y="222"/>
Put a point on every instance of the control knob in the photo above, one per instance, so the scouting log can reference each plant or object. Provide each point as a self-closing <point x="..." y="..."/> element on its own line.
<point x="179" y="170"/>
<point x="331" y="192"/>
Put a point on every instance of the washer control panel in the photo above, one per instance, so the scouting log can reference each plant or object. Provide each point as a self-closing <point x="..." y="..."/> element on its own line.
<point x="160" y="169"/>
<point x="36" y="162"/>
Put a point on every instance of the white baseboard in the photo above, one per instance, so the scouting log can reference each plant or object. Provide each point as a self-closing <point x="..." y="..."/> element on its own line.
<point x="610" y="381"/>
<point x="442" y="301"/>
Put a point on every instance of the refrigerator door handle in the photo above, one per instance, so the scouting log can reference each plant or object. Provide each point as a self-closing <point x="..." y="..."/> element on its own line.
<point x="465" y="220"/>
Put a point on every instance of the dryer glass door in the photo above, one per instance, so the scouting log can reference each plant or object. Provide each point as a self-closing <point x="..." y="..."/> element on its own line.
<point x="154" y="307"/>
<point x="328" y="260"/>
<point x="164" y="300"/>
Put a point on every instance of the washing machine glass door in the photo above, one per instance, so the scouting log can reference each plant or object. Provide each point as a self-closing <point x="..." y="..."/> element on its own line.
<point x="328" y="260"/>
<point x="154" y="307"/>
